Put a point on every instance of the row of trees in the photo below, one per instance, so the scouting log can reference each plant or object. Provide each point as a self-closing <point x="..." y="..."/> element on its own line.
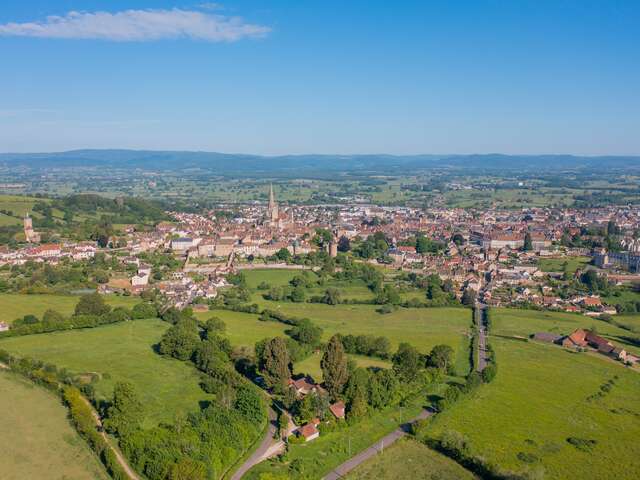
<point x="90" y="311"/>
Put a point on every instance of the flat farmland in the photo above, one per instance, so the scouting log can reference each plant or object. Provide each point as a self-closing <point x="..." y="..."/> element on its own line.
<point x="544" y="396"/>
<point x="37" y="440"/>
<point x="15" y="305"/>
<point x="121" y="352"/>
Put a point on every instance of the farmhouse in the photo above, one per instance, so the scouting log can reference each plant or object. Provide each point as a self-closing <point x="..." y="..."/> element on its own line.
<point x="304" y="386"/>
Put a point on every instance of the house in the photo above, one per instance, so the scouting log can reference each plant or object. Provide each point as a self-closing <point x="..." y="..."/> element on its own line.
<point x="309" y="432"/>
<point x="303" y="386"/>
<point x="337" y="409"/>
<point x="577" y="339"/>
<point x="4" y="327"/>
<point x="140" y="280"/>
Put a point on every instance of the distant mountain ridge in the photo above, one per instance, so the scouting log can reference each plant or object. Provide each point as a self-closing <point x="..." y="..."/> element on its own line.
<point x="229" y="163"/>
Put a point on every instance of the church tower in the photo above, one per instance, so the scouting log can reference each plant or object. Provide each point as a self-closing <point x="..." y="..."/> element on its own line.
<point x="272" y="212"/>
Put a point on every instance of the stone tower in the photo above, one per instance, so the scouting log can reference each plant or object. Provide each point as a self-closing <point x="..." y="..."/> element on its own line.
<point x="272" y="211"/>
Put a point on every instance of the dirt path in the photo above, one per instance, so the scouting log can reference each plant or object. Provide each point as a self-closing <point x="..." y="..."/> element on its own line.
<point x="376" y="448"/>
<point x="121" y="460"/>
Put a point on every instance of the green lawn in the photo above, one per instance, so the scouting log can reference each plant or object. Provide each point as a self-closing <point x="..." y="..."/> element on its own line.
<point x="557" y="264"/>
<point x="408" y="458"/>
<point x="311" y="365"/>
<point x="14" y="305"/>
<point x="539" y="399"/>
<point x="273" y="276"/>
<point x="525" y="322"/>
<point x="37" y="440"/>
<point x="122" y="351"/>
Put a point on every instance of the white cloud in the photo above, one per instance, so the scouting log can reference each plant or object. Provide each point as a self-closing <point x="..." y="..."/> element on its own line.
<point x="138" y="25"/>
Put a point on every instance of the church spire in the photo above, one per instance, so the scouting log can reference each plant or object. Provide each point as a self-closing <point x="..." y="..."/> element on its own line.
<point x="272" y="212"/>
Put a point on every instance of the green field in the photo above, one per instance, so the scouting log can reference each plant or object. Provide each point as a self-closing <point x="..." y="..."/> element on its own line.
<point x="542" y="396"/>
<point x="557" y="264"/>
<point x="14" y="305"/>
<point x="117" y="352"/>
<point x="408" y="458"/>
<point x="311" y="365"/>
<point x="422" y="328"/>
<point x="513" y="322"/>
<point x="37" y="440"/>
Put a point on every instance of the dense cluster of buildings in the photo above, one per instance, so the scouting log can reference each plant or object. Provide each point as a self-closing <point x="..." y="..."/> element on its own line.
<point x="494" y="252"/>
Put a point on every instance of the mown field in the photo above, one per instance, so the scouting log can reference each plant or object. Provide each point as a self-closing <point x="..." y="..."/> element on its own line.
<point x="36" y="438"/>
<point x="542" y="397"/>
<point x="513" y="322"/>
<point x="557" y="264"/>
<point x="408" y="458"/>
<point x="14" y="306"/>
<point x="118" y="352"/>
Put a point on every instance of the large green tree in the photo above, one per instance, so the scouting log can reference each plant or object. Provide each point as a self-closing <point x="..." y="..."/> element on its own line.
<point x="274" y="364"/>
<point x="406" y="361"/>
<point x="125" y="414"/>
<point x="92" y="304"/>
<point x="334" y="367"/>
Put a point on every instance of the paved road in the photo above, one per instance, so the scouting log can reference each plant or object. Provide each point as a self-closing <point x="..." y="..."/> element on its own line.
<point x="266" y="444"/>
<point x="353" y="462"/>
<point x="482" y="336"/>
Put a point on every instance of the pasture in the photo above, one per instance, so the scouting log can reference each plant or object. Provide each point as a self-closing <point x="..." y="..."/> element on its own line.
<point x="37" y="440"/>
<point x="424" y="328"/>
<point x="119" y="352"/>
<point x="408" y="458"/>
<point x="513" y="322"/>
<point x="542" y="398"/>
<point x="14" y="305"/>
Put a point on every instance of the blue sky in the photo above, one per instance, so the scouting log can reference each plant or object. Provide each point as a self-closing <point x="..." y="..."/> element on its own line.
<point x="274" y="77"/>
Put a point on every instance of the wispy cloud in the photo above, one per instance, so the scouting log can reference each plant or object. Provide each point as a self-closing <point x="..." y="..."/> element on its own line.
<point x="139" y="25"/>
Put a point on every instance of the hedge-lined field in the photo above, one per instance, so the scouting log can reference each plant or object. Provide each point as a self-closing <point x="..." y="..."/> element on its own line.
<point x="571" y="415"/>
<point x="37" y="439"/>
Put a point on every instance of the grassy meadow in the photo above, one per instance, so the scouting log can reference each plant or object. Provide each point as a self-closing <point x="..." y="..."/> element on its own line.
<point x="408" y="458"/>
<point x="543" y="396"/>
<point x="122" y="351"/>
<point x="37" y="440"/>
<point x="513" y="322"/>
<point x="557" y="264"/>
<point x="14" y="305"/>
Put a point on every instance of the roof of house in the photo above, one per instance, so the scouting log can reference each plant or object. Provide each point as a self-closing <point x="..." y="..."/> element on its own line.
<point x="337" y="409"/>
<point x="308" y="430"/>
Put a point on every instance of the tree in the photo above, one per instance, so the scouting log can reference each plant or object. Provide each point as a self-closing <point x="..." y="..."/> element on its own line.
<point x="188" y="469"/>
<point x="125" y="414"/>
<point x="306" y="332"/>
<point x="331" y="296"/>
<point x="528" y="245"/>
<point x="441" y="357"/>
<point x="52" y="317"/>
<point x="143" y="310"/>
<point x="334" y="367"/>
<point x="298" y="294"/>
<point x="181" y="340"/>
<point x="469" y="297"/>
<point x="274" y="364"/>
<point x="406" y="361"/>
<point x="214" y="326"/>
<point x="357" y="408"/>
<point x="344" y="244"/>
<point x="92" y="304"/>
<point x="283" y="255"/>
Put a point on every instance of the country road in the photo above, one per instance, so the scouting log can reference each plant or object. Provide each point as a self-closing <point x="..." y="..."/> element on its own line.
<point x="376" y="448"/>
<point x="479" y="312"/>
<point x="265" y="447"/>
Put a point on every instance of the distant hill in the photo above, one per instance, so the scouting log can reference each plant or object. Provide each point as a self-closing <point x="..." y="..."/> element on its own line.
<point x="226" y="164"/>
